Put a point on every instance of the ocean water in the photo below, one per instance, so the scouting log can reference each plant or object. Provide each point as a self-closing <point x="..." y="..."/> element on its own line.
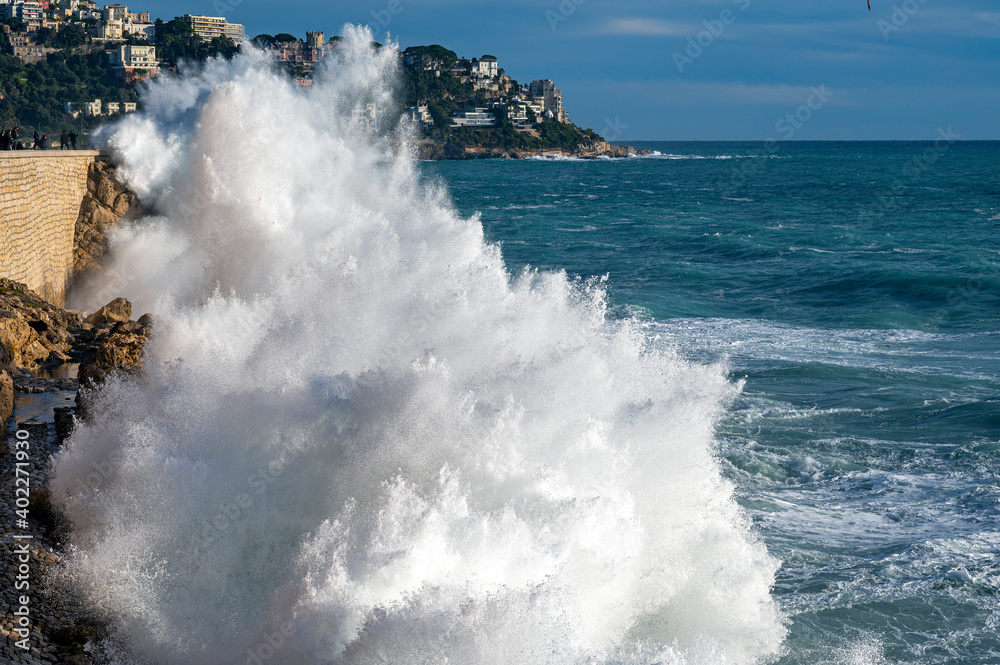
<point x="716" y="406"/>
<point x="854" y="289"/>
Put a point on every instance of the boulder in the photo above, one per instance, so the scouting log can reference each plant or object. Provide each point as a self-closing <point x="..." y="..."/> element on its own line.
<point x="118" y="310"/>
<point x="121" y="349"/>
<point x="146" y="320"/>
<point x="15" y="334"/>
<point x="32" y="330"/>
<point x="65" y="423"/>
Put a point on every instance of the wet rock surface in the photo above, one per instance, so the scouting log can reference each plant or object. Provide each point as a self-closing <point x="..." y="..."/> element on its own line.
<point x="37" y="339"/>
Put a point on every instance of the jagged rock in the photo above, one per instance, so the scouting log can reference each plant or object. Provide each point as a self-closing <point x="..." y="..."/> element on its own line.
<point x="32" y="330"/>
<point x="146" y="320"/>
<point x="120" y="349"/>
<point x="118" y="310"/>
<point x="14" y="334"/>
<point x="6" y="398"/>
<point x="106" y="203"/>
<point x="122" y="204"/>
<point x="107" y="191"/>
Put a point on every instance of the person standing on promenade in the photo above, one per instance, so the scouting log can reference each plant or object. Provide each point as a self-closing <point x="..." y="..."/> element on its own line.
<point x="5" y="143"/>
<point x="64" y="140"/>
<point x="34" y="139"/>
<point x="43" y="144"/>
<point x="72" y="140"/>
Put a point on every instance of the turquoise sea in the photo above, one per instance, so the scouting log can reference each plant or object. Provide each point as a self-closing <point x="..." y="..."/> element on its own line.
<point x="855" y="289"/>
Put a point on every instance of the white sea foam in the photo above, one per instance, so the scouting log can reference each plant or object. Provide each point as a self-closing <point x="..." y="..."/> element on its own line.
<point x="360" y="439"/>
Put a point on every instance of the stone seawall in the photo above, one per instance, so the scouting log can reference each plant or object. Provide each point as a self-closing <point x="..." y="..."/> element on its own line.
<point x="54" y="207"/>
<point x="40" y="195"/>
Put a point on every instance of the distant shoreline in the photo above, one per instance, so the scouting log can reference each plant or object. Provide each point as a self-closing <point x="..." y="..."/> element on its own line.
<point x="438" y="151"/>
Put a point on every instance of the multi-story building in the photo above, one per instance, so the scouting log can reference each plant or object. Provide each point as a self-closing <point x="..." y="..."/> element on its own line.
<point x="517" y="113"/>
<point x="31" y="53"/>
<point x="487" y="66"/>
<point x="95" y="107"/>
<point x="19" y="38"/>
<point x="550" y="99"/>
<point x="145" y="31"/>
<point x="480" y="117"/>
<point x="307" y="53"/>
<point x="116" y="13"/>
<point x="113" y="30"/>
<point x="419" y="114"/>
<point x="210" y="27"/>
<point x="29" y="12"/>
<point x="134" y="62"/>
<point x="314" y="39"/>
<point x="139" y="17"/>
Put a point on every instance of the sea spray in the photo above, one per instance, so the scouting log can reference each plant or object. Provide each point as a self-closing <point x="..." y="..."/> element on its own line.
<point x="359" y="439"/>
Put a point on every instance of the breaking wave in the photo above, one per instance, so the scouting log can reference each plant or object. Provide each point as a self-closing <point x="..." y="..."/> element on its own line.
<point x="360" y="439"/>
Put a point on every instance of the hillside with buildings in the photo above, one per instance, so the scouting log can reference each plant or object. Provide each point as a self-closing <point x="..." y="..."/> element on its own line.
<point x="471" y="109"/>
<point x="70" y="65"/>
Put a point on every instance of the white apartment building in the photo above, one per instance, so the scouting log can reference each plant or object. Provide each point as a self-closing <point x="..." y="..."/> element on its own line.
<point x="146" y="31"/>
<point x="134" y="56"/>
<point x="477" y="118"/>
<point x="487" y="66"/>
<point x="28" y="12"/>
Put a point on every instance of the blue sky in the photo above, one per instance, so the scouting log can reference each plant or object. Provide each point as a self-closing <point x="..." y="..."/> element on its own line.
<point x="639" y="69"/>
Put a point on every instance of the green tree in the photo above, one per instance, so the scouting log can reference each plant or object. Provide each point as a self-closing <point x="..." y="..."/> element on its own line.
<point x="263" y="41"/>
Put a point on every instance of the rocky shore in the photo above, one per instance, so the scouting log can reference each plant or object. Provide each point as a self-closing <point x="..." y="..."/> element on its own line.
<point x="435" y="151"/>
<point x="106" y="202"/>
<point x="39" y="341"/>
